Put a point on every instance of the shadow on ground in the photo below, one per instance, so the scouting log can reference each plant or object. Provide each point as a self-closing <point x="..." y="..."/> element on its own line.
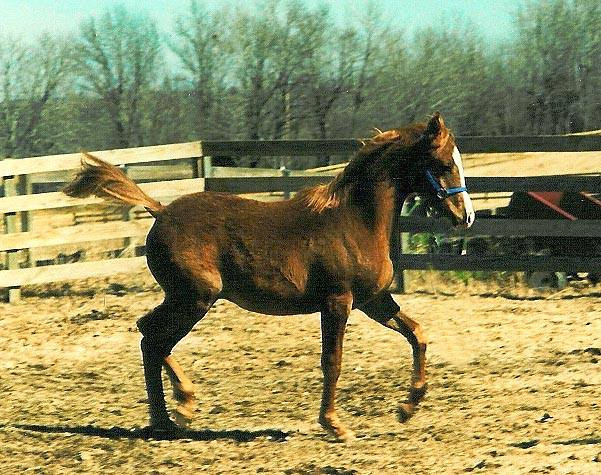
<point x="146" y="433"/>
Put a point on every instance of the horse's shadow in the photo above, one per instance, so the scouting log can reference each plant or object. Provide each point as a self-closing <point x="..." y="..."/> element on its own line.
<point x="146" y="433"/>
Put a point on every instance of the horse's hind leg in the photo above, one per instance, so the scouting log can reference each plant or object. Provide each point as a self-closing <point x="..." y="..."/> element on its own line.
<point x="162" y="329"/>
<point x="384" y="310"/>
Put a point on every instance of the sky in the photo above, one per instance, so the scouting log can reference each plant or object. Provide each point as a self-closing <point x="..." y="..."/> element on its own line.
<point x="492" y="18"/>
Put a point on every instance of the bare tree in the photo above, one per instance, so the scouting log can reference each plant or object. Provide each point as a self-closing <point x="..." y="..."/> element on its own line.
<point x="557" y="49"/>
<point x="270" y="53"/>
<point x="330" y="76"/>
<point x="200" y="47"/>
<point x="30" y="75"/>
<point x="119" y="59"/>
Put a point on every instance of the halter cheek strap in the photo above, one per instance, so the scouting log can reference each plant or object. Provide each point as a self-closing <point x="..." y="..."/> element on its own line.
<point x="441" y="191"/>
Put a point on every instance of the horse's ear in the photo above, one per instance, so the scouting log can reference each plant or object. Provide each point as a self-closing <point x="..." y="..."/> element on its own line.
<point x="435" y="133"/>
<point x="435" y="125"/>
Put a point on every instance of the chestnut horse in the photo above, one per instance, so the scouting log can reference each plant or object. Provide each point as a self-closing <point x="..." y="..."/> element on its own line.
<point x="325" y="250"/>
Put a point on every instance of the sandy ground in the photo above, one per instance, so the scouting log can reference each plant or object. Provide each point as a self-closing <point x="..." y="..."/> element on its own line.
<point x="514" y="387"/>
<point x="514" y="379"/>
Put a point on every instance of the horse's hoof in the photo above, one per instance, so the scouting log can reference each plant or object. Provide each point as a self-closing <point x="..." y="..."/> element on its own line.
<point x="405" y="411"/>
<point x="336" y="429"/>
<point x="342" y="435"/>
<point x="416" y="394"/>
<point x="182" y="415"/>
<point x="347" y="436"/>
<point x="184" y="394"/>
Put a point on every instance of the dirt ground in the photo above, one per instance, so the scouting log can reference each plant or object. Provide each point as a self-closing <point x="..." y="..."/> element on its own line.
<point x="514" y="386"/>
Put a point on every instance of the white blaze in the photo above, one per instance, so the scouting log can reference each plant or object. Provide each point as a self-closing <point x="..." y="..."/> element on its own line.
<point x="467" y="201"/>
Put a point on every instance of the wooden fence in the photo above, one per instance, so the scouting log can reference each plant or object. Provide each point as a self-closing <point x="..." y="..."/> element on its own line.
<point x="20" y="175"/>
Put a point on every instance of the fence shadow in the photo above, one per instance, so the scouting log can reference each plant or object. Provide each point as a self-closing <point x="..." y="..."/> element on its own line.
<point x="238" y="435"/>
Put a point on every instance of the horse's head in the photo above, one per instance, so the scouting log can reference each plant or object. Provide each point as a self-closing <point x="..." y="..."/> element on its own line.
<point x="439" y="173"/>
<point x="432" y="168"/>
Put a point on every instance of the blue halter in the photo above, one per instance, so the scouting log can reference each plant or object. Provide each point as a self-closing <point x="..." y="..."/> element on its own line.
<point x="442" y="192"/>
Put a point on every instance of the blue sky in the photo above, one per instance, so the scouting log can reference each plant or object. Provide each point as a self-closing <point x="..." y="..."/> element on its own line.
<point x="492" y="18"/>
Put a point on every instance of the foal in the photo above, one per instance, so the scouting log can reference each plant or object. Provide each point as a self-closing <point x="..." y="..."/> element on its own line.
<point x="327" y="250"/>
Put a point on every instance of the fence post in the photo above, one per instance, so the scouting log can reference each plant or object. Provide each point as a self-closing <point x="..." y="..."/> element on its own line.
<point x="285" y="173"/>
<point x="127" y="215"/>
<point x="400" y="244"/>
<point x="203" y="166"/>
<point x="10" y="227"/>
<point x="207" y="167"/>
<point x="400" y="275"/>
<point x="26" y="188"/>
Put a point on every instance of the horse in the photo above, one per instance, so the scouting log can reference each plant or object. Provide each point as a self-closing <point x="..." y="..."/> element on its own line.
<point x="327" y="249"/>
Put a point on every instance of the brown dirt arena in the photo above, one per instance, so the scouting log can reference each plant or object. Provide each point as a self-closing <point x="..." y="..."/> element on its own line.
<point x="514" y="386"/>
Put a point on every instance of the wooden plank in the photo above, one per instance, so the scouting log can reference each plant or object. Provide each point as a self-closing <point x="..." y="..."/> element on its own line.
<point x="51" y="163"/>
<point x="467" y="144"/>
<point x="174" y="171"/>
<point x="263" y="184"/>
<point x="591" y="183"/>
<point x="75" y="234"/>
<point x="589" y="228"/>
<point x="58" y="199"/>
<point x="267" y="148"/>
<point x="78" y="270"/>
<point x="529" y="143"/>
<point x="500" y="263"/>
<point x="475" y="184"/>
<point x="245" y="172"/>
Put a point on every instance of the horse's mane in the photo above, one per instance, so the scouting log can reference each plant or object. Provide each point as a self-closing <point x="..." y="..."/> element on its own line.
<point x="330" y="195"/>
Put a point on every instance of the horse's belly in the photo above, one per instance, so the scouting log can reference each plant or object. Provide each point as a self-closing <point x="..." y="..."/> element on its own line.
<point x="265" y="284"/>
<point x="271" y="304"/>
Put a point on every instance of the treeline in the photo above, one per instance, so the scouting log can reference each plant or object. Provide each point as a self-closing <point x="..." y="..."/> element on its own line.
<point x="288" y="71"/>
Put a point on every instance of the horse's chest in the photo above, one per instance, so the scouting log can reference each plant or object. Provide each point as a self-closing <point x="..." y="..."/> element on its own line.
<point x="374" y="275"/>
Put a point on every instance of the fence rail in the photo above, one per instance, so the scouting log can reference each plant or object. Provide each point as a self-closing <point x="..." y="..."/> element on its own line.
<point x="193" y="160"/>
<point x="499" y="263"/>
<point x="589" y="228"/>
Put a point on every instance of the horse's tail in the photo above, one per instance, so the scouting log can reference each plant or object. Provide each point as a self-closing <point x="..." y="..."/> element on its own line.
<point x="104" y="180"/>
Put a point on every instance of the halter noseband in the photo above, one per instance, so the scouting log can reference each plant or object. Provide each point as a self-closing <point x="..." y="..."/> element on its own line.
<point x="442" y="192"/>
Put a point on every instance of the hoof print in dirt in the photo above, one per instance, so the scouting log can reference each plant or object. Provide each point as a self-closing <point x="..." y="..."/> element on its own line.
<point x="116" y="289"/>
<point x="546" y="416"/>
<point x="525" y="444"/>
<point x="312" y="468"/>
<point x="480" y="464"/>
<point x="107" y="313"/>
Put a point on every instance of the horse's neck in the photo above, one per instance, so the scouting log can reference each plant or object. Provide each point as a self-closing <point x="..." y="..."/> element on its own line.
<point x="376" y="202"/>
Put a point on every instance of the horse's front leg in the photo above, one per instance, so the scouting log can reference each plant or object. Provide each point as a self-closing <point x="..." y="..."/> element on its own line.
<point x="384" y="310"/>
<point x="183" y="391"/>
<point x="333" y="324"/>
